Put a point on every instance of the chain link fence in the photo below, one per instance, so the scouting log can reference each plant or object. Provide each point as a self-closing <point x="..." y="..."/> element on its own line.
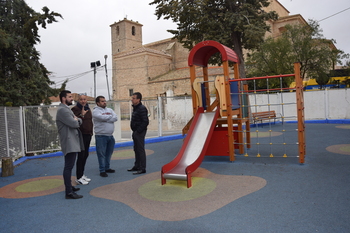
<point x="40" y="129"/>
<point x="11" y="136"/>
<point x="167" y="115"/>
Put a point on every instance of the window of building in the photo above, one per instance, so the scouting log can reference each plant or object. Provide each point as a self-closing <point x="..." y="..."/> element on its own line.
<point x="133" y="30"/>
<point x="131" y="91"/>
<point x="117" y="30"/>
<point x="282" y="29"/>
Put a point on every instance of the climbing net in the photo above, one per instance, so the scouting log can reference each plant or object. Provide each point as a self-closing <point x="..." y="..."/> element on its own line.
<point x="275" y="125"/>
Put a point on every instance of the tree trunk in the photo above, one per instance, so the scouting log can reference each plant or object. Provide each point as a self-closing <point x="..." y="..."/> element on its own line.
<point x="237" y="47"/>
<point x="7" y="167"/>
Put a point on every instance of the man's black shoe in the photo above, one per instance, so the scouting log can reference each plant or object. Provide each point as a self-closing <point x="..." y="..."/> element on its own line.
<point x="132" y="170"/>
<point x="110" y="171"/>
<point x="139" y="172"/>
<point x="75" y="189"/>
<point x="103" y="174"/>
<point x="73" y="195"/>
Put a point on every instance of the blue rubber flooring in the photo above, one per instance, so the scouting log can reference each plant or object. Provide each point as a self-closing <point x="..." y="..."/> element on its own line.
<point x="312" y="197"/>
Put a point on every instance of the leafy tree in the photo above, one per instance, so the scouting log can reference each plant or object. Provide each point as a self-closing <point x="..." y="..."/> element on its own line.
<point x="322" y="79"/>
<point x="298" y="43"/>
<point x="273" y="57"/>
<point x="347" y="67"/>
<point x="340" y="72"/>
<point x="24" y="80"/>
<point x="239" y="24"/>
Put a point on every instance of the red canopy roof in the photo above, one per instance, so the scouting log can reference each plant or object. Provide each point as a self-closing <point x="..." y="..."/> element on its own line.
<point x="201" y="53"/>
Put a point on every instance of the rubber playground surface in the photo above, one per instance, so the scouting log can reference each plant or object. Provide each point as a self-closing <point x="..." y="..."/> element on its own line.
<point x="270" y="193"/>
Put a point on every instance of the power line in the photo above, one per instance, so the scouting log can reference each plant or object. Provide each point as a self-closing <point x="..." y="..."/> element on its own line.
<point x="334" y="14"/>
<point x="73" y="77"/>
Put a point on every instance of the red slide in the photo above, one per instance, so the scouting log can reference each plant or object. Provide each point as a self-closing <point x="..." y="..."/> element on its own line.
<point x="193" y="149"/>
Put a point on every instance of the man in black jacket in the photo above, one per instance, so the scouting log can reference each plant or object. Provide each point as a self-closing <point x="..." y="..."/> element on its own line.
<point x="138" y="125"/>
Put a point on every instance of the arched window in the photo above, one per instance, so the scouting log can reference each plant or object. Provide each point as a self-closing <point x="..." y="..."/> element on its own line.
<point x="133" y="30"/>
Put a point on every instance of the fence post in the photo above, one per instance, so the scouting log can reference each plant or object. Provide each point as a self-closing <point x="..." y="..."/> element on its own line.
<point x="326" y="107"/>
<point x="6" y="134"/>
<point x="160" y="122"/>
<point x="25" y="129"/>
<point x="21" y="130"/>
<point x="117" y="132"/>
<point x="6" y="162"/>
<point x="130" y="116"/>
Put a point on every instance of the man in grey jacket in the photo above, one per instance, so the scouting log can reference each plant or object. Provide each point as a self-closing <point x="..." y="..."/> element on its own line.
<point x="71" y="140"/>
<point x="104" y="119"/>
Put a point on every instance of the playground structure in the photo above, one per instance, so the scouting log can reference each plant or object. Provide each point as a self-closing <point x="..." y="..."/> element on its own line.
<point x="223" y="125"/>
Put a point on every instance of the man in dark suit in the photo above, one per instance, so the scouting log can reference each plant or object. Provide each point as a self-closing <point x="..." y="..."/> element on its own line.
<point x="138" y="124"/>
<point x="71" y="140"/>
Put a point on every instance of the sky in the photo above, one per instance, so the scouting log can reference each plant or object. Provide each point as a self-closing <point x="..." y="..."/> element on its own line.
<point x="83" y="35"/>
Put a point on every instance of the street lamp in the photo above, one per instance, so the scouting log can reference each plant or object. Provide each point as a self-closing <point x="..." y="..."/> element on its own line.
<point x="95" y="65"/>
<point x="109" y="96"/>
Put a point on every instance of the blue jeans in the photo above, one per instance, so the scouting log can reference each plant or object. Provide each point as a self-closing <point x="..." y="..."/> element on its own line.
<point x="104" y="150"/>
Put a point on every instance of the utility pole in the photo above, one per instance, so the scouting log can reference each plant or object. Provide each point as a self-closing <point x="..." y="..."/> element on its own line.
<point x="95" y="65"/>
<point x="109" y="96"/>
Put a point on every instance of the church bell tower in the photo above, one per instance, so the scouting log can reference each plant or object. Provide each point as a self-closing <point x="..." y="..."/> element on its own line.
<point x="126" y="35"/>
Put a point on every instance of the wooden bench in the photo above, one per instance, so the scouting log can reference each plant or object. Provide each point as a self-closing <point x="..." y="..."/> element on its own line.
<point x="261" y="116"/>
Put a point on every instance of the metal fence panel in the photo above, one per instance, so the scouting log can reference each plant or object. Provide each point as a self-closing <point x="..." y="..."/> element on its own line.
<point x="178" y="111"/>
<point x="11" y="137"/>
<point x="3" y="135"/>
<point x="125" y="116"/>
<point x="40" y="128"/>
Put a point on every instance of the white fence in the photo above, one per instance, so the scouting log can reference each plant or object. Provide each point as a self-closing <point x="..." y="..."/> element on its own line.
<point x="33" y="130"/>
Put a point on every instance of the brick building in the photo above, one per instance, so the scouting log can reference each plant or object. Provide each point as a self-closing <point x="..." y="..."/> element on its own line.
<point x="160" y="68"/>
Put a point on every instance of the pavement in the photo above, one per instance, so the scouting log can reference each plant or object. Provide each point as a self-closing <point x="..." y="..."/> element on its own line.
<point x="251" y="194"/>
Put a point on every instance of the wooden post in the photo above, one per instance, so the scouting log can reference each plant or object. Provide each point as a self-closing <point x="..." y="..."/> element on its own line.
<point x="300" y="113"/>
<point x="192" y="78"/>
<point x="7" y="167"/>
<point x="206" y="85"/>
<point x="231" y="146"/>
<point x="247" y="121"/>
